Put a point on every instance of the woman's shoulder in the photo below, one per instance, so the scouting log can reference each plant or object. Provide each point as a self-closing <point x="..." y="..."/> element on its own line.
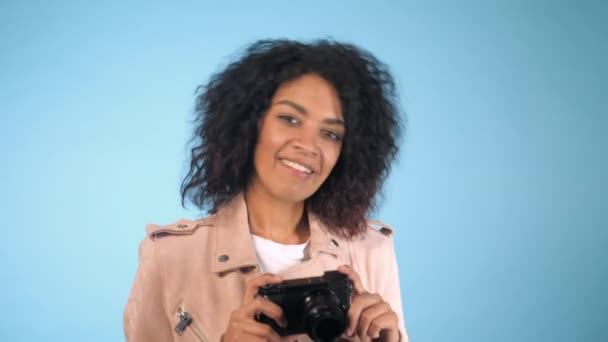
<point x="377" y="235"/>
<point x="176" y="242"/>
<point x="181" y="227"/>
<point x="380" y="227"/>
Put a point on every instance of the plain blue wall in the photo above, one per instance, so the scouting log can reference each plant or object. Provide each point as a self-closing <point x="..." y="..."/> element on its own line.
<point x="499" y="197"/>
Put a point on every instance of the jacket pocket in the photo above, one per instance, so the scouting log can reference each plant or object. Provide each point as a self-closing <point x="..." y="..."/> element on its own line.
<point x="185" y="321"/>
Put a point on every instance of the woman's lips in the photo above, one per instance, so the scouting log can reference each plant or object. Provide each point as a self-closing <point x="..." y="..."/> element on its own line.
<point x="296" y="166"/>
<point x="297" y="169"/>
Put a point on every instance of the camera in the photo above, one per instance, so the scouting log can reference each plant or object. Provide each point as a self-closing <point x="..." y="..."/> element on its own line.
<point x="317" y="306"/>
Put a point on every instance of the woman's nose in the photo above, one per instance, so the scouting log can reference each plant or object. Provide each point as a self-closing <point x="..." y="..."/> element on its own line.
<point x="306" y="141"/>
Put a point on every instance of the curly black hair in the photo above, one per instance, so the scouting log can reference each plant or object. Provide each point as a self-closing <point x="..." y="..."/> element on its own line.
<point x="231" y="104"/>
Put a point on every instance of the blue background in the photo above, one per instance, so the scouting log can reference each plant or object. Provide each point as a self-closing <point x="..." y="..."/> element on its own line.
<point x="499" y="197"/>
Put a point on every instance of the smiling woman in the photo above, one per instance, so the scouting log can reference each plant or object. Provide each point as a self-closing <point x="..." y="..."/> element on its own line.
<point x="293" y="142"/>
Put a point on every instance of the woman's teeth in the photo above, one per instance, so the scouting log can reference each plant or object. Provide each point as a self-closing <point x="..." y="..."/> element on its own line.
<point x="296" y="166"/>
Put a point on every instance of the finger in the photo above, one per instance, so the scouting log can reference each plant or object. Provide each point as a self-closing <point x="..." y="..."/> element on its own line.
<point x="369" y="316"/>
<point x="238" y="334"/>
<point x="260" y="330"/>
<point x="385" y="324"/>
<point x="360" y="303"/>
<point x="268" y="308"/>
<point x="254" y="284"/>
<point x="354" y="278"/>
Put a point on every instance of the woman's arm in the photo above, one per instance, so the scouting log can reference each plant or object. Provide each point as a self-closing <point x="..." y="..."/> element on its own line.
<point x="144" y="317"/>
<point x="391" y="291"/>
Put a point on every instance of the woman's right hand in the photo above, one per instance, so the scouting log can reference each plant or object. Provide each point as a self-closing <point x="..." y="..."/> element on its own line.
<point x="243" y="326"/>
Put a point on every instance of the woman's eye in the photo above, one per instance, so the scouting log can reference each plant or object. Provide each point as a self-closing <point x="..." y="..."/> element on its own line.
<point x="289" y="119"/>
<point x="332" y="135"/>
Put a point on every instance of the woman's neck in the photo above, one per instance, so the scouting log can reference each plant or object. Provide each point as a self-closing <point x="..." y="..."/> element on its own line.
<point x="274" y="219"/>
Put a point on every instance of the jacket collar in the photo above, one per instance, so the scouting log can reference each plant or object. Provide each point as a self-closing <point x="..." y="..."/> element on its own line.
<point x="233" y="246"/>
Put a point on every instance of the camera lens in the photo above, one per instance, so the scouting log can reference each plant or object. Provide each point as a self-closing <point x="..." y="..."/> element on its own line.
<point x="322" y="315"/>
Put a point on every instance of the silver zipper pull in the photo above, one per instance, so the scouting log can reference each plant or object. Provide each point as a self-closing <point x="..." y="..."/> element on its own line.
<point x="184" y="320"/>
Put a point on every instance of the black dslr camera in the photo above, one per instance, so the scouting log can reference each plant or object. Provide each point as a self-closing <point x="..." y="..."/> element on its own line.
<point x="317" y="306"/>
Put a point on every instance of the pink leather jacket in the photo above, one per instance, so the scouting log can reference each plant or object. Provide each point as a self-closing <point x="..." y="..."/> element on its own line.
<point x="192" y="274"/>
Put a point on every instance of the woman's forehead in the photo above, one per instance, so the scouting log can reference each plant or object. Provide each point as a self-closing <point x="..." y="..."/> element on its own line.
<point x="309" y="95"/>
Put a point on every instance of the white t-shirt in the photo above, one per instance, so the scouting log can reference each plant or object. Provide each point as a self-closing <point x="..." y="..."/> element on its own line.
<point x="276" y="257"/>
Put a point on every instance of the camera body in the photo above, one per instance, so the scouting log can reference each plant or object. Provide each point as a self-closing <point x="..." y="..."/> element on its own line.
<point x="317" y="306"/>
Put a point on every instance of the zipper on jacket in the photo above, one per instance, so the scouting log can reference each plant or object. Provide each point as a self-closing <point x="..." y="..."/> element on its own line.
<point x="185" y="320"/>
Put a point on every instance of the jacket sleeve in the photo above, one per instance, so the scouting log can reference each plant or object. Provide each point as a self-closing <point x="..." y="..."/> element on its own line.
<point x="391" y="291"/>
<point x="145" y="319"/>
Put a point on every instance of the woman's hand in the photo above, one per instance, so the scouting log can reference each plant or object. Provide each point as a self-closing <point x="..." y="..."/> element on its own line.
<point x="369" y="315"/>
<point x="242" y="325"/>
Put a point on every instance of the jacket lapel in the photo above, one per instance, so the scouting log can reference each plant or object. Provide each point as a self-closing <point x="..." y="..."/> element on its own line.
<point x="233" y="246"/>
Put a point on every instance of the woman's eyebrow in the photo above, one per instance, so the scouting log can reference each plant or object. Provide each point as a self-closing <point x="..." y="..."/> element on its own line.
<point x="303" y="111"/>
<point x="336" y="122"/>
<point x="294" y="105"/>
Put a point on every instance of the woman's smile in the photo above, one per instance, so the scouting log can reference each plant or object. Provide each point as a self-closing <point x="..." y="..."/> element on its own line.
<point x="297" y="166"/>
<point x="296" y="169"/>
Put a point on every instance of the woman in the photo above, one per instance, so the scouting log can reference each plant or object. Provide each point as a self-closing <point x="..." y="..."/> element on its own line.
<point x="292" y="143"/>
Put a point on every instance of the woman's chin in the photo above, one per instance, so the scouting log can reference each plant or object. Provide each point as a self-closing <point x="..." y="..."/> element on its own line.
<point x="294" y="196"/>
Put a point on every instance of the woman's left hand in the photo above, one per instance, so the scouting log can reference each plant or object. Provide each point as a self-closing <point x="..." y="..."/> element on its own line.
<point x="369" y="315"/>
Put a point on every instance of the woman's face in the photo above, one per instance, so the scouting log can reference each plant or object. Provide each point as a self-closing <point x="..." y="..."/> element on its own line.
<point x="299" y="140"/>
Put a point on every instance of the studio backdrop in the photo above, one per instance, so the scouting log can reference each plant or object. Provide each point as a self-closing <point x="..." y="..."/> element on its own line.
<point x="498" y="199"/>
